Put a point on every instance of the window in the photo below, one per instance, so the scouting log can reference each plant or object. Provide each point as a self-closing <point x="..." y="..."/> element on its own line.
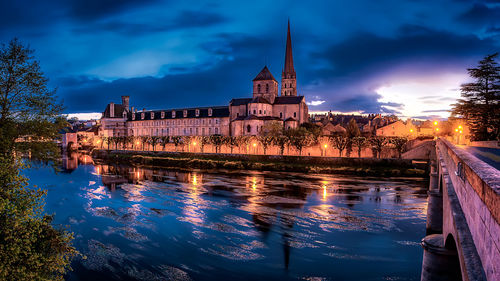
<point x="267" y="88"/>
<point x="260" y="111"/>
<point x="254" y="111"/>
<point x="264" y="111"/>
<point x="209" y="121"/>
<point x="237" y="114"/>
<point x="162" y="114"/>
<point x="203" y="131"/>
<point x="281" y="114"/>
<point x="258" y="88"/>
<point x="142" y="115"/>
<point x="197" y="112"/>
<point x="249" y="128"/>
<point x="152" y="115"/>
<point x="209" y="131"/>
<point x="209" y="112"/>
<point x="173" y="113"/>
<point x="190" y="131"/>
<point x="133" y="116"/>
<point x="185" y="113"/>
<point x="295" y="114"/>
<point x="216" y="130"/>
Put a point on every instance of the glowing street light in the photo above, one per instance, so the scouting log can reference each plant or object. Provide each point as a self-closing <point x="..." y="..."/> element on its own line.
<point x="411" y="130"/>
<point x="194" y="143"/>
<point x="456" y="130"/>
<point x="460" y="127"/>
<point x="435" y="123"/>
<point x="461" y="132"/>
<point x="325" y="145"/>
<point x="254" y="144"/>
<point x="437" y="129"/>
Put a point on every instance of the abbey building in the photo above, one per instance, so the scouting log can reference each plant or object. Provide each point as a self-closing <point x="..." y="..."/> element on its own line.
<point x="243" y="116"/>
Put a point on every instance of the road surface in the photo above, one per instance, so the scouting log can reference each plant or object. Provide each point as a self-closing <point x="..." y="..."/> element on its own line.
<point x="486" y="154"/>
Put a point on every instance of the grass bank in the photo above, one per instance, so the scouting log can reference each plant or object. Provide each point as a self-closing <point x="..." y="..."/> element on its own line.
<point x="305" y="164"/>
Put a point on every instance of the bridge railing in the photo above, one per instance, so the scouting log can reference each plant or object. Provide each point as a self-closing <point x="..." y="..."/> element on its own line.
<point x="476" y="187"/>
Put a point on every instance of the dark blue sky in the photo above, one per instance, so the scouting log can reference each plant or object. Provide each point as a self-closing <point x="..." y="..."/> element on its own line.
<point x="406" y="57"/>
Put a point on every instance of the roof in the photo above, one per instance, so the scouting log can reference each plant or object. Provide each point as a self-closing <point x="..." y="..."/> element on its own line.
<point x="264" y="74"/>
<point x="217" y="112"/>
<point x="255" y="117"/>
<point x="259" y="100"/>
<point x="236" y="102"/>
<point x="118" y="108"/>
<point x="290" y="119"/>
<point x="288" y="99"/>
<point x="288" y="54"/>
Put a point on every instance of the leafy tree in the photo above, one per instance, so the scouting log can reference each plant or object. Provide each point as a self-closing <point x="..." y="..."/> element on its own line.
<point x="30" y="247"/>
<point x="300" y="138"/>
<point x="153" y="141"/>
<point x="352" y="129"/>
<point x="144" y="140"/>
<point x="203" y="140"/>
<point x="243" y="141"/>
<point x="177" y="140"/>
<point x="480" y="102"/>
<point x="232" y="142"/>
<point x="315" y="132"/>
<point x="400" y="144"/>
<point x="186" y="140"/>
<point x="217" y="141"/>
<point x="164" y="141"/>
<point x="340" y="142"/>
<point x="127" y="141"/>
<point x="116" y="141"/>
<point x="266" y="141"/>
<point x="359" y="142"/>
<point x="281" y="141"/>
<point x="377" y="143"/>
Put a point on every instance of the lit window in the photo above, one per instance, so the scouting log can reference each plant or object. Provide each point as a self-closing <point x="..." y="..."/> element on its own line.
<point x="185" y="113"/>
<point x="152" y="115"/>
<point x="162" y="114"/>
<point x="142" y="115"/>
<point x="173" y="113"/>
<point x="197" y="112"/>
<point x="209" y="112"/>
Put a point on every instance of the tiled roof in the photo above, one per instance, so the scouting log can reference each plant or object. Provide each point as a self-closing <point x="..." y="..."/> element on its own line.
<point x="118" y="111"/>
<point x="259" y="100"/>
<point x="264" y="74"/>
<point x="236" y="102"/>
<point x="255" y="117"/>
<point x="218" y="111"/>
<point x="288" y="100"/>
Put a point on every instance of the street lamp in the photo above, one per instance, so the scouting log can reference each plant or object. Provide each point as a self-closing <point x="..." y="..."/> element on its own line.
<point x="435" y="123"/>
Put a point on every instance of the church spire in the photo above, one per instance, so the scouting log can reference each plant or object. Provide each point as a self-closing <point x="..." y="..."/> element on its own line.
<point x="288" y="78"/>
<point x="288" y="54"/>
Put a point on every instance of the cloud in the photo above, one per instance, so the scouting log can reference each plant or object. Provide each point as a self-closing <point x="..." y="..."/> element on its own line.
<point x="184" y="20"/>
<point x="481" y="14"/>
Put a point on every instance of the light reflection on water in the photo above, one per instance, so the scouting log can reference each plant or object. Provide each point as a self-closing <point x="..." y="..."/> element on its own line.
<point x="134" y="223"/>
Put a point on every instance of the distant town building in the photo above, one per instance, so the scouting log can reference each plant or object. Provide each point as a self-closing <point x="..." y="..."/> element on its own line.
<point x="243" y="116"/>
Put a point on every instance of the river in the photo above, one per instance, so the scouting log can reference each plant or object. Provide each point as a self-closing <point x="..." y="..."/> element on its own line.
<point x="134" y="223"/>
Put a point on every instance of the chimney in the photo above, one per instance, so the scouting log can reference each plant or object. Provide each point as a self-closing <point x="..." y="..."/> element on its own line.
<point x="132" y="109"/>
<point x="125" y="101"/>
<point x="111" y="109"/>
<point x="143" y="110"/>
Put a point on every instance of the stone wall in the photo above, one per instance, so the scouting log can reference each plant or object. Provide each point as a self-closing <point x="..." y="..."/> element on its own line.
<point x="477" y="188"/>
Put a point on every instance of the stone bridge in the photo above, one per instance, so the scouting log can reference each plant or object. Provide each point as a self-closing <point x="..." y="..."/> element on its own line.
<point x="463" y="218"/>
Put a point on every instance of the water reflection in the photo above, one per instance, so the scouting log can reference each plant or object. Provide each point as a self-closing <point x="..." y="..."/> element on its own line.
<point x="155" y="224"/>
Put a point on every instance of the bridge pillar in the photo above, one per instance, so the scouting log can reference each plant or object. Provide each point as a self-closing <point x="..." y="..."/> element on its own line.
<point x="434" y="204"/>
<point x="439" y="263"/>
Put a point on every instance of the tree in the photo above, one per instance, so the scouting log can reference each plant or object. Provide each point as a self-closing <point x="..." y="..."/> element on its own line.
<point x="164" y="141"/>
<point x="144" y="140"/>
<point x="203" y="140"/>
<point x="377" y="143"/>
<point x="186" y="140"/>
<point x="232" y="142"/>
<point x="340" y="142"/>
<point x="400" y="144"/>
<point x="266" y="141"/>
<point x="177" y="140"/>
<point x="300" y="138"/>
<point x="116" y="141"/>
<point x="217" y="141"/>
<point x="30" y="247"/>
<point x="352" y="129"/>
<point x="153" y="141"/>
<point x="27" y="106"/>
<point x="480" y="102"/>
<point x="281" y="141"/>
<point x="243" y="141"/>
<point x="359" y="142"/>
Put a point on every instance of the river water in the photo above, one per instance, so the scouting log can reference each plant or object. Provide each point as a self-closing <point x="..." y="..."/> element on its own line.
<point x="134" y="223"/>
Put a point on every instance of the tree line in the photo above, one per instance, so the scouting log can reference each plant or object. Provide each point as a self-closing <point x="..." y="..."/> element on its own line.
<point x="272" y="135"/>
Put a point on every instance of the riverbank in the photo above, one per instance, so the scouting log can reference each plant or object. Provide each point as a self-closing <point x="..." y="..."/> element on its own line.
<point x="305" y="164"/>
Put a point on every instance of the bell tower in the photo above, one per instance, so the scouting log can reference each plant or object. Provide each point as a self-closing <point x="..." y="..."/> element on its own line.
<point x="288" y="77"/>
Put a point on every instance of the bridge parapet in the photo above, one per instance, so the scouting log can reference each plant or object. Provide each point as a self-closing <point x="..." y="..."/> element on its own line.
<point x="471" y="210"/>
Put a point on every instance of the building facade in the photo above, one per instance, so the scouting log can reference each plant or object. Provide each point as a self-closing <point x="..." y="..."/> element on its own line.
<point x="243" y="116"/>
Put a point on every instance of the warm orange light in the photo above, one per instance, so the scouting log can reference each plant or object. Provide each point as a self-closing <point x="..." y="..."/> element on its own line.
<point x="411" y="130"/>
<point x="254" y="144"/>
<point x="435" y="123"/>
<point x="325" y="145"/>
<point x="461" y="132"/>
<point x="98" y="141"/>
<point x="194" y="143"/>
<point x="460" y="127"/>
<point x="456" y="130"/>
<point x="437" y="129"/>
<point x="137" y="143"/>
<point x="324" y="192"/>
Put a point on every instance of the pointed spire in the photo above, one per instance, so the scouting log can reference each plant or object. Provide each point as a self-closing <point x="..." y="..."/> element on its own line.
<point x="288" y="55"/>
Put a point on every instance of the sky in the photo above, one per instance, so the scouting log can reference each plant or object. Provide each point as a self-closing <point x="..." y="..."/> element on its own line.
<point x="403" y="57"/>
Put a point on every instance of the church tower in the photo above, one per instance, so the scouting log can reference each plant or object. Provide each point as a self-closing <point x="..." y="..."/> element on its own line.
<point x="288" y="77"/>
